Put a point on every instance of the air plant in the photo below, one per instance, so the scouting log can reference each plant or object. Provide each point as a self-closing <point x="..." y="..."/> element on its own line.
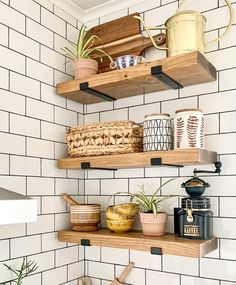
<point x="27" y="267"/>
<point x="84" y="49"/>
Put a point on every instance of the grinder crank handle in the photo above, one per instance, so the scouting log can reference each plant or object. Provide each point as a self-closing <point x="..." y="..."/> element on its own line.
<point x="125" y="272"/>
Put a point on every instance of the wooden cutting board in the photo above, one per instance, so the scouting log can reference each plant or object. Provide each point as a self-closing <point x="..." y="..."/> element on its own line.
<point x="121" y="37"/>
<point x="117" y="29"/>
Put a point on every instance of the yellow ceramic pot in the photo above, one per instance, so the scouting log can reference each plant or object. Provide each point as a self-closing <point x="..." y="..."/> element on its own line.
<point x="120" y="226"/>
<point x="122" y="212"/>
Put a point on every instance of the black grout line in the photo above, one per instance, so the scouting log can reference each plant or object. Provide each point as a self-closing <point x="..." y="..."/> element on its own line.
<point x="164" y="101"/>
<point x="41" y="159"/>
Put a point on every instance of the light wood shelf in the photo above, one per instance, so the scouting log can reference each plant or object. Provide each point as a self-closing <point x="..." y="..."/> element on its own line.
<point x="186" y="69"/>
<point x="135" y="240"/>
<point x="142" y="159"/>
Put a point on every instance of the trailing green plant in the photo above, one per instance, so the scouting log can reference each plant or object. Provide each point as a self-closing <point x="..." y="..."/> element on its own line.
<point x="84" y="47"/>
<point x="27" y="267"/>
<point x="148" y="203"/>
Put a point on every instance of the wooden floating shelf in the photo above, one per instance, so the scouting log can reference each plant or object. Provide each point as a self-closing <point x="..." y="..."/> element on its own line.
<point x="135" y="240"/>
<point x="142" y="159"/>
<point x="186" y="69"/>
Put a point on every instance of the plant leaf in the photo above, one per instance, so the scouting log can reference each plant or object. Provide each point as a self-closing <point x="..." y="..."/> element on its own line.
<point x="69" y="53"/>
<point x="88" y="45"/>
<point x="92" y="50"/>
<point x="80" y="40"/>
<point x="154" y="209"/>
<point x="165" y="198"/>
<point x="158" y="189"/>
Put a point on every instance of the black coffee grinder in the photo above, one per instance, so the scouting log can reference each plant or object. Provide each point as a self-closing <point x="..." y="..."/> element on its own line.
<point x="195" y="216"/>
<point x="194" y="220"/>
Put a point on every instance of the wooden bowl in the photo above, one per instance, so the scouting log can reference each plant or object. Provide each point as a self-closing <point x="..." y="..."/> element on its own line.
<point x="120" y="226"/>
<point x="85" y="217"/>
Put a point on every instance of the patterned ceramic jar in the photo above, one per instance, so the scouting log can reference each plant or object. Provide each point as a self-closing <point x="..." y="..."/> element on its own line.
<point x="157" y="132"/>
<point x="188" y="129"/>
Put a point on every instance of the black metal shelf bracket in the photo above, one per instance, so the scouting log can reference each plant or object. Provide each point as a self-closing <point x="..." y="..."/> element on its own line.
<point x="156" y="250"/>
<point x="85" y="242"/>
<point x="85" y="87"/>
<point x="159" y="74"/>
<point x="218" y="166"/>
<point x="157" y="161"/>
<point x="86" y="165"/>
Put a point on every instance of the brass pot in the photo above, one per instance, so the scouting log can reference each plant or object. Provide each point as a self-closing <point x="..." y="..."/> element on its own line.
<point x="185" y="31"/>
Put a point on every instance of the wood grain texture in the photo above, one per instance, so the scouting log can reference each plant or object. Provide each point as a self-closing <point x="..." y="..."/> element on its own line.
<point x="121" y="28"/>
<point x="120" y="37"/>
<point x="134" y="45"/>
<point x="135" y="240"/>
<point x="142" y="159"/>
<point x="187" y="69"/>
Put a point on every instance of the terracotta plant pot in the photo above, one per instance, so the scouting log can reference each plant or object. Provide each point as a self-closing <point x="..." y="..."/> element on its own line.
<point x="153" y="226"/>
<point x="84" y="67"/>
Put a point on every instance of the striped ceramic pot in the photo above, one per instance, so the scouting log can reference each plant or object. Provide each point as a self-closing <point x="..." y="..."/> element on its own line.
<point x="85" y="217"/>
<point x="188" y="129"/>
<point x="157" y="132"/>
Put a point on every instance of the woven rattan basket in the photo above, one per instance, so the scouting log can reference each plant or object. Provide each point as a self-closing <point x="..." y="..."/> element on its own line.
<point x="104" y="138"/>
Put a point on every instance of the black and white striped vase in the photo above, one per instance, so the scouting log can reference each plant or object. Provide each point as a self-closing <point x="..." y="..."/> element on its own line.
<point x="157" y="132"/>
<point x="188" y="129"/>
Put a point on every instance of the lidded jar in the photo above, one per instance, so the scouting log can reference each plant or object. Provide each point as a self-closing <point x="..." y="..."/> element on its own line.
<point x="188" y="129"/>
<point x="196" y="218"/>
<point x="157" y="132"/>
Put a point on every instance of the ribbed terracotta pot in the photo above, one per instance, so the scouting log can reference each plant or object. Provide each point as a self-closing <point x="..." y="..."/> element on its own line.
<point x="153" y="226"/>
<point x="84" y="67"/>
<point x="85" y="217"/>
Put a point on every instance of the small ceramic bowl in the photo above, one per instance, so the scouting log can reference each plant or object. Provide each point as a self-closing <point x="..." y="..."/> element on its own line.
<point x="121" y="226"/>
<point x="125" y="61"/>
<point x="113" y="214"/>
<point x="122" y="211"/>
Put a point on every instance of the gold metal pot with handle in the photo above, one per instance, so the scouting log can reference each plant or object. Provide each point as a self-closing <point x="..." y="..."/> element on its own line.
<point x="185" y="31"/>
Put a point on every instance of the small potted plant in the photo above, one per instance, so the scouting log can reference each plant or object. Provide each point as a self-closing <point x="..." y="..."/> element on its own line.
<point x="82" y="54"/>
<point x="153" y="221"/>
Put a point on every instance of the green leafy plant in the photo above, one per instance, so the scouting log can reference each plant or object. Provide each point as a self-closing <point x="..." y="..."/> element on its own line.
<point x="27" y="267"/>
<point x="84" y="47"/>
<point x="146" y="203"/>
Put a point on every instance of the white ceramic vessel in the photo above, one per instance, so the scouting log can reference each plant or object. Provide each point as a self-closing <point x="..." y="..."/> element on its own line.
<point x="188" y="129"/>
<point x="157" y="132"/>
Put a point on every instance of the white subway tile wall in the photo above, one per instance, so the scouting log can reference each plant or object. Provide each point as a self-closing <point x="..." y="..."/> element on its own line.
<point x="32" y="119"/>
<point x="33" y="122"/>
<point x="218" y="102"/>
